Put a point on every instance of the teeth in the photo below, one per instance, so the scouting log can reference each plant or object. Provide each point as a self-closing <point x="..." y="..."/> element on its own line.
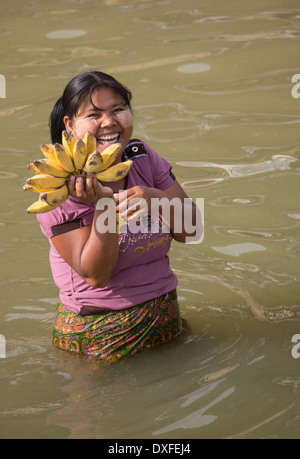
<point x="108" y="138"/>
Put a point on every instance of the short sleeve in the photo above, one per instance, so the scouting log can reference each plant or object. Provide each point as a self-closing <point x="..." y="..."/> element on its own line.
<point x="71" y="214"/>
<point x="163" y="175"/>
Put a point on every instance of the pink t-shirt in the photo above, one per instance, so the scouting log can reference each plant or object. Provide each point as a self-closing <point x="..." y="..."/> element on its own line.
<point x="143" y="270"/>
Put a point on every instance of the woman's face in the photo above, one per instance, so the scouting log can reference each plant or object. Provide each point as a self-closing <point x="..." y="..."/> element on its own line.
<point x="110" y="123"/>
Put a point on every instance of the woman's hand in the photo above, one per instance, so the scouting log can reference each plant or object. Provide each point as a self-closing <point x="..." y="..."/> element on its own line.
<point x="136" y="202"/>
<point x="88" y="189"/>
<point x="179" y="213"/>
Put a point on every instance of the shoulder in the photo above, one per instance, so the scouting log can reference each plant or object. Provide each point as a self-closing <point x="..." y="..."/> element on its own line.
<point x="70" y="212"/>
<point x="147" y="162"/>
<point x="137" y="149"/>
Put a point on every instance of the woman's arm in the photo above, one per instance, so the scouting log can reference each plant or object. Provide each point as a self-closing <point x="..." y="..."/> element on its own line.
<point x="181" y="214"/>
<point x="91" y="253"/>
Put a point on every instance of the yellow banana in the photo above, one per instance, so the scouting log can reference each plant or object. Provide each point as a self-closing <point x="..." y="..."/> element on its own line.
<point x="71" y="157"/>
<point x="94" y="162"/>
<point x="39" y="207"/>
<point x="48" y="151"/>
<point x="63" y="157"/>
<point x="68" y="141"/>
<point x="43" y="182"/>
<point x="91" y="143"/>
<point x="120" y="222"/>
<point x="115" y="173"/>
<point x="33" y="168"/>
<point x="47" y="166"/>
<point x="56" y="197"/>
<point x="79" y="154"/>
<point x="109" y="155"/>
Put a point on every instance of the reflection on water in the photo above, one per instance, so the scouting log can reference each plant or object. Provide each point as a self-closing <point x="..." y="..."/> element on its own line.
<point x="278" y="162"/>
<point x="67" y="33"/>
<point x="212" y="93"/>
<point x="163" y="61"/>
<point x="244" y="304"/>
<point x="193" y="68"/>
<point x="246" y="38"/>
<point x="197" y="419"/>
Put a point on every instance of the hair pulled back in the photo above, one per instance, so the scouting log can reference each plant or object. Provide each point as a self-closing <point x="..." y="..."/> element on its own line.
<point x="76" y="92"/>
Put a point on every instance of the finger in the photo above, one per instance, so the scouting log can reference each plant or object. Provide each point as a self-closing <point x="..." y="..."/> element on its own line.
<point x="135" y="205"/>
<point x="116" y="198"/>
<point x="96" y="184"/>
<point x="122" y="207"/>
<point x="121" y="200"/>
<point x="79" y="187"/>
<point x="89" y="186"/>
<point x="97" y="188"/>
<point x="121" y="197"/>
<point x="136" y="215"/>
<point x="93" y="187"/>
<point x="129" y="205"/>
<point x="71" y="185"/>
<point x="139" y="204"/>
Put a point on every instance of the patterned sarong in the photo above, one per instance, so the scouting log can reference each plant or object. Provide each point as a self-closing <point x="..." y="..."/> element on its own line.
<point x="112" y="335"/>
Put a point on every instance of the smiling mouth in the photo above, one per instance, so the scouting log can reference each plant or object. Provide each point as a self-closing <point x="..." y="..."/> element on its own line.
<point x="108" y="139"/>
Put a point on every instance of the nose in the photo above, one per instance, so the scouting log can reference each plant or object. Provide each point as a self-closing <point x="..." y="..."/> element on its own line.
<point x="107" y="120"/>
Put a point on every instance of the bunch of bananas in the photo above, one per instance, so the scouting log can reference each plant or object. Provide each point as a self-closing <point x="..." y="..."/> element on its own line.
<point x="72" y="157"/>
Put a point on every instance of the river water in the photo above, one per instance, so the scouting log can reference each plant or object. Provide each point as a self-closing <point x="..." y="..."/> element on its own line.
<point x="212" y="85"/>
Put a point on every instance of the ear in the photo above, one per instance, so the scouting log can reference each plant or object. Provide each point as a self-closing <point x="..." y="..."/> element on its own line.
<point x="69" y="125"/>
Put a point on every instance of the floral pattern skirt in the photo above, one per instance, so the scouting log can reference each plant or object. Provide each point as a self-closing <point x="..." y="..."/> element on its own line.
<point x="112" y="335"/>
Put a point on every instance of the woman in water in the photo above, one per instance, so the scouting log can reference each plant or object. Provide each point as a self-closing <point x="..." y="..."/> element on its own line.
<point x="117" y="292"/>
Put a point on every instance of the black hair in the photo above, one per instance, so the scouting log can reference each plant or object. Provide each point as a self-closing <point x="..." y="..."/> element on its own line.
<point x="76" y="91"/>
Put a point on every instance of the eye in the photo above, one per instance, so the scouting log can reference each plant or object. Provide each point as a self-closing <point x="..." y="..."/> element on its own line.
<point x="119" y="109"/>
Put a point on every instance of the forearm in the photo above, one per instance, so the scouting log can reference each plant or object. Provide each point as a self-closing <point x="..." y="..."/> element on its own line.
<point x="180" y="214"/>
<point x="99" y="255"/>
<point x="89" y="250"/>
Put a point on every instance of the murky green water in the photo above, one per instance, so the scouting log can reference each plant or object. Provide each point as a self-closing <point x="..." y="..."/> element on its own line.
<point x="212" y="93"/>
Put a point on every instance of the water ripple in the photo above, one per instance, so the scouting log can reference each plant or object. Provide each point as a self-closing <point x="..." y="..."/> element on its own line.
<point x="246" y="305"/>
<point x="265" y="81"/>
<point x="146" y="64"/>
<point x="215" y="172"/>
<point x="229" y="201"/>
<point x="168" y="122"/>
<point x="198" y="418"/>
